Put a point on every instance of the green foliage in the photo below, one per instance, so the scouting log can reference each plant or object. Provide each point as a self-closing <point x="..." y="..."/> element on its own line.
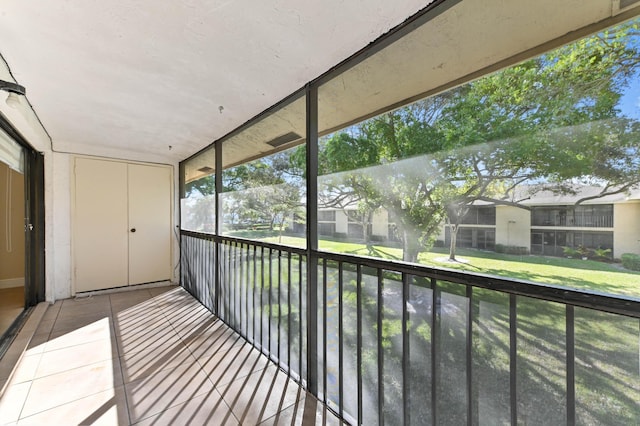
<point x="390" y="329"/>
<point x="501" y="248"/>
<point x="602" y="253"/>
<point x="631" y="261"/>
<point x="570" y="251"/>
<point x="424" y="331"/>
<point x="203" y="186"/>
<point x="263" y="193"/>
<point x="583" y="251"/>
<point x="553" y="120"/>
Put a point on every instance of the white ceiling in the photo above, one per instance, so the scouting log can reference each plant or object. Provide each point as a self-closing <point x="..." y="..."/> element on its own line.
<point x="459" y="42"/>
<point x="129" y="78"/>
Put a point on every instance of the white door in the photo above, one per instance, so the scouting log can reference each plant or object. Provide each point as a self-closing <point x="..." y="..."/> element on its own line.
<point x="149" y="223"/>
<point x="100" y="233"/>
<point x="121" y="224"/>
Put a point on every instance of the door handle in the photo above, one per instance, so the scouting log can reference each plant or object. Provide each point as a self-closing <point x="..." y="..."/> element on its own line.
<point x="133" y="229"/>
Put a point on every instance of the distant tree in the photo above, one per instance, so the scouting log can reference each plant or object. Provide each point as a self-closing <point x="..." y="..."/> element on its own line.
<point x="551" y="122"/>
<point x="264" y="191"/>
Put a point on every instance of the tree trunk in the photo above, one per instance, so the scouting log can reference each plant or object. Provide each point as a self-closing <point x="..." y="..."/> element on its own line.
<point x="281" y="227"/>
<point x="367" y="227"/>
<point x="366" y="234"/>
<point x="410" y="247"/>
<point x="454" y="238"/>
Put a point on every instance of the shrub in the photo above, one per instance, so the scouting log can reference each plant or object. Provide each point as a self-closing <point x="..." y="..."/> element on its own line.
<point x="602" y="253"/>
<point x="583" y="251"/>
<point x="340" y="235"/>
<point x="570" y="252"/>
<point x="501" y="248"/>
<point x="631" y="261"/>
<point x="518" y="250"/>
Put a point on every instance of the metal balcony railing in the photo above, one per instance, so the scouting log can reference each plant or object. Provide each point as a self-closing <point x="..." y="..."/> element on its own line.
<point x="405" y="344"/>
<point x="581" y="221"/>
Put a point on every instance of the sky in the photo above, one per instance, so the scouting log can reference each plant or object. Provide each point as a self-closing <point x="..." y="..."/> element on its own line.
<point x="630" y="101"/>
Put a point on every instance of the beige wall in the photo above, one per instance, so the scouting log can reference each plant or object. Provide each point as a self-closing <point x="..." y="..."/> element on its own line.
<point x="342" y="221"/>
<point x="626" y="230"/>
<point x="12" y="244"/>
<point x="513" y="226"/>
<point x="380" y="225"/>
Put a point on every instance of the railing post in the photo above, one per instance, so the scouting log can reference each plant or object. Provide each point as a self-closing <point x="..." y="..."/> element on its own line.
<point x="312" y="237"/>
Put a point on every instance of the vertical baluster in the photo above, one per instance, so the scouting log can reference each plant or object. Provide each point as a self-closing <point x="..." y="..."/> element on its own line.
<point x="406" y="391"/>
<point x="300" y="342"/>
<point x="289" y="312"/>
<point x="340" y="342"/>
<point x="253" y="294"/>
<point x="380" y="350"/>
<point x="270" y="302"/>
<point x="262" y="300"/>
<point x="513" y="357"/>
<point x="571" y="370"/>
<point x="232" y="284"/>
<point x="435" y="341"/>
<point x="279" y="304"/>
<point x="359" y="339"/>
<point x="469" y="294"/>
<point x="324" y="330"/>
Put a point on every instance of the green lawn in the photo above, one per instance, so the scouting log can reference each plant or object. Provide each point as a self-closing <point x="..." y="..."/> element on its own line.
<point x="573" y="273"/>
<point x="606" y="345"/>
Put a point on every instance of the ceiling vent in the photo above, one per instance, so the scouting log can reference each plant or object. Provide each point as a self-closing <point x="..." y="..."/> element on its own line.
<point x="206" y="169"/>
<point x="284" y="139"/>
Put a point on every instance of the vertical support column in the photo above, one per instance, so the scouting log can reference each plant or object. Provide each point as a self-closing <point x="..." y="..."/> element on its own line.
<point x="312" y="238"/>
<point x="218" y="226"/>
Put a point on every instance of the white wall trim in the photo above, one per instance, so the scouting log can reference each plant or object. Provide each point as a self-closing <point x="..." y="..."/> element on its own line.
<point x="12" y="282"/>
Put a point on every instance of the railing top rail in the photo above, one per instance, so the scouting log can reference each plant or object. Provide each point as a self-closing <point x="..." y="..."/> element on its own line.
<point x="618" y="304"/>
<point x="239" y="240"/>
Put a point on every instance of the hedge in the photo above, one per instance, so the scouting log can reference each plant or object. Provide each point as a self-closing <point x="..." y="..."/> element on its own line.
<point x="631" y="261"/>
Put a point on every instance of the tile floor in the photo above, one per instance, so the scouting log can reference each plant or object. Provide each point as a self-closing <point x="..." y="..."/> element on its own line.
<point x="150" y="357"/>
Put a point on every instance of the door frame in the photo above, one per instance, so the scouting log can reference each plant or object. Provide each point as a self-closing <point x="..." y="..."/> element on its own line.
<point x="34" y="217"/>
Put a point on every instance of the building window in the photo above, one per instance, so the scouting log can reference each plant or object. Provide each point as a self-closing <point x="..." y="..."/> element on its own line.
<point x="326" y="216"/>
<point x="476" y="238"/>
<point x="553" y="243"/>
<point x="327" y="229"/>
<point x="485" y="215"/>
<point x="597" y="216"/>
